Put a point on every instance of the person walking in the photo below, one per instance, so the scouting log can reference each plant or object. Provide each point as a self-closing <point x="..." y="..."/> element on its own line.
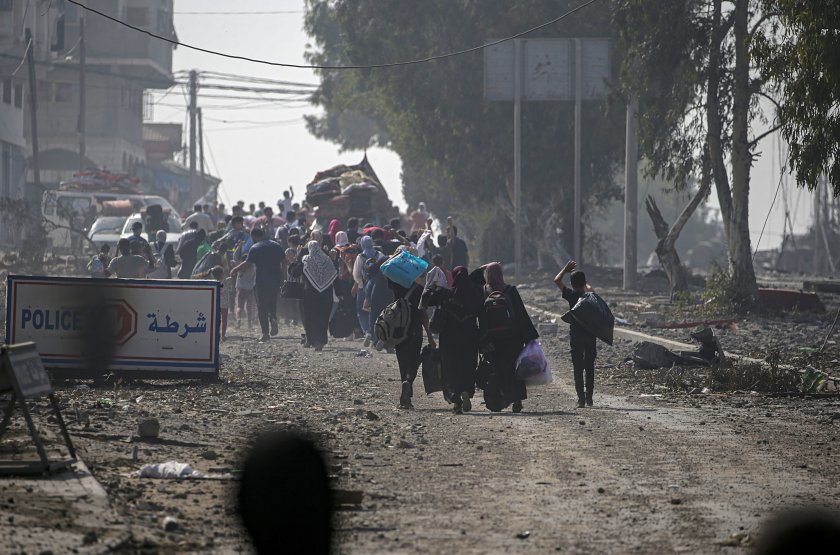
<point x="319" y="275"/>
<point x="582" y="343"/>
<point x="378" y="293"/>
<point x="203" y="220"/>
<point x="409" y="350"/>
<point x="459" y="309"/>
<point x="128" y="264"/>
<point x="359" y="282"/>
<point x="98" y="264"/>
<point x="507" y="327"/>
<point x="267" y="258"/>
<point x="188" y="251"/>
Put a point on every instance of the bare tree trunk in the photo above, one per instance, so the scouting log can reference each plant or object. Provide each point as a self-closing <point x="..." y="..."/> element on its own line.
<point x="741" y="268"/>
<point x="666" y="249"/>
<point x="714" y="118"/>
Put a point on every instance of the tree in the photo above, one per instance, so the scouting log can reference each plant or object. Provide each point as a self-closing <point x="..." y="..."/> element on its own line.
<point x="799" y="58"/>
<point x="689" y="63"/>
<point x="456" y="148"/>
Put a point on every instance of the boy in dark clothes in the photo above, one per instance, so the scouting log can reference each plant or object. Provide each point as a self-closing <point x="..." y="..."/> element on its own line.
<point x="582" y="342"/>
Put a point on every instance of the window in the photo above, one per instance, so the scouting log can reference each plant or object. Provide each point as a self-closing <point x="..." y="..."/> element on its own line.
<point x="7" y="91"/>
<point x="18" y="96"/>
<point x="139" y="17"/>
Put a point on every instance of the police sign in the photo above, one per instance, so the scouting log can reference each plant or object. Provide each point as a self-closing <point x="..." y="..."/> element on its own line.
<point x="131" y="327"/>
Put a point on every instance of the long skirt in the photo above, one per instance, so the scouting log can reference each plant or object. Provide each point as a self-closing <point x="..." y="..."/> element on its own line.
<point x="503" y="359"/>
<point x="408" y="356"/>
<point x="316" y="310"/>
<point x="459" y="360"/>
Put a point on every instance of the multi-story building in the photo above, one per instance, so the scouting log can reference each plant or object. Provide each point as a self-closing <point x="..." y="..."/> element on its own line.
<point x="120" y="65"/>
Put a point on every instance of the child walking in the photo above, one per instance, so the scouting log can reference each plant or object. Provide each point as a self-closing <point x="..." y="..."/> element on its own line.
<point x="581" y="341"/>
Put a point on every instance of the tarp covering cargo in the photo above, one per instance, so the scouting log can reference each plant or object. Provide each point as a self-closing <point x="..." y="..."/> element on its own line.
<point x="344" y="191"/>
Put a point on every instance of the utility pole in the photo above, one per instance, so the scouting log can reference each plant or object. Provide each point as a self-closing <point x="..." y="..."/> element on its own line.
<point x="517" y="158"/>
<point x="193" y="150"/>
<point x="631" y="193"/>
<point x="82" y="93"/>
<point x="33" y="109"/>
<point x="816" y="227"/>
<point x="578" y="240"/>
<point x="201" y="147"/>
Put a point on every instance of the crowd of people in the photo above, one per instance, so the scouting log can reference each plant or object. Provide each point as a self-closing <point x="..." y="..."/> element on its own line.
<point x="331" y="282"/>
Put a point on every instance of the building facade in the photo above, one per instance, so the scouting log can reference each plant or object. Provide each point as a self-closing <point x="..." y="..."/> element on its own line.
<point x="120" y="65"/>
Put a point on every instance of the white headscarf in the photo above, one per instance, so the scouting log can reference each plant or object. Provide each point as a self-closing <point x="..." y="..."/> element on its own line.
<point x="318" y="268"/>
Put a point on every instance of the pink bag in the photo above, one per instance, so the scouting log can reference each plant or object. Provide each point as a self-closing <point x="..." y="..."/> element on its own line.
<point x="532" y="366"/>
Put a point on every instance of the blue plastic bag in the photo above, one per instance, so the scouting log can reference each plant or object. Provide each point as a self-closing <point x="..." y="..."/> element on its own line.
<point x="404" y="268"/>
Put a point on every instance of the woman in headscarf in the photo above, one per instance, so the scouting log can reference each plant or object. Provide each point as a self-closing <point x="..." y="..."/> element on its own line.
<point x="503" y="388"/>
<point x="377" y="292"/>
<point x="344" y="321"/>
<point x="335" y="227"/>
<point x="459" y="309"/>
<point x="320" y="274"/>
<point x="359" y="282"/>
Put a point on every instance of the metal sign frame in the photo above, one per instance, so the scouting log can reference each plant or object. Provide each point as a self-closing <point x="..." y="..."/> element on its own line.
<point x="22" y="374"/>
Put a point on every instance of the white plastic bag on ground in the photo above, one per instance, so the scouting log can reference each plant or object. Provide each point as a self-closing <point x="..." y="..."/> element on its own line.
<point x="169" y="469"/>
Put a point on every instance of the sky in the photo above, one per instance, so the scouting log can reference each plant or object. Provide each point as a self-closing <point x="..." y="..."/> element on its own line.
<point x="257" y="161"/>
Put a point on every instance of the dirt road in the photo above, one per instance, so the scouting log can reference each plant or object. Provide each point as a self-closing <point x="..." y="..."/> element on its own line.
<point x="650" y="474"/>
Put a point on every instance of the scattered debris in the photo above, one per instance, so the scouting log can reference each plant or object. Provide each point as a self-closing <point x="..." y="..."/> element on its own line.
<point x="148" y="428"/>
<point x="523" y="535"/>
<point x="170" y="523"/>
<point x="787" y="299"/>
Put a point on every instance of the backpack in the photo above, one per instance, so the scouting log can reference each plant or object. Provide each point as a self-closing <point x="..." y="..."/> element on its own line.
<point x="393" y="324"/>
<point x="498" y="319"/>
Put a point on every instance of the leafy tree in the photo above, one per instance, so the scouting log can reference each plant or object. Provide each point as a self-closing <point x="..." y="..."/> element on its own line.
<point x="799" y="58"/>
<point x="456" y="148"/>
<point x="689" y="63"/>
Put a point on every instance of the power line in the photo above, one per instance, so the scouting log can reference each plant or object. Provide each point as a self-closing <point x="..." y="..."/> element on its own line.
<point x="217" y="86"/>
<point x="253" y="122"/>
<point x="240" y="13"/>
<point x="23" y="61"/>
<point x="302" y="66"/>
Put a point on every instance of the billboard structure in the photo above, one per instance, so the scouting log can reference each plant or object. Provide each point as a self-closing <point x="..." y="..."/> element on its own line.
<point x="546" y="70"/>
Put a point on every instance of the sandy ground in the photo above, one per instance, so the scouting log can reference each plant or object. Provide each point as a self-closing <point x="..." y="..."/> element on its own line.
<point x="640" y="472"/>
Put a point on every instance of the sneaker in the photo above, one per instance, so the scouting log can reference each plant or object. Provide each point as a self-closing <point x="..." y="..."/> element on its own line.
<point x="466" y="404"/>
<point x="517" y="406"/>
<point x="405" y="394"/>
<point x="581" y="403"/>
<point x="263" y="338"/>
<point x="368" y="340"/>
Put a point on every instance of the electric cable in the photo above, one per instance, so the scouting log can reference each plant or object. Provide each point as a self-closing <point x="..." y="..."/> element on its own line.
<point x="240" y="13"/>
<point x="327" y="67"/>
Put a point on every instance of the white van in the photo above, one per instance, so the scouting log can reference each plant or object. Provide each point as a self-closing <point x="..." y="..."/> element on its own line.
<point x="72" y="213"/>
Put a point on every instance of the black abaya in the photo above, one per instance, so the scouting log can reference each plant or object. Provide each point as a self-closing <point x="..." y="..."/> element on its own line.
<point x="506" y="351"/>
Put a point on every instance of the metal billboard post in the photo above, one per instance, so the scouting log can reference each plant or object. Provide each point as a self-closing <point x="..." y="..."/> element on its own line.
<point x="577" y="241"/>
<point x="631" y="194"/>
<point x="517" y="158"/>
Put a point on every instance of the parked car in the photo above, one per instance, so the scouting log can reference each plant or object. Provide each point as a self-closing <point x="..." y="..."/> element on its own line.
<point x="173" y="221"/>
<point x="107" y="229"/>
